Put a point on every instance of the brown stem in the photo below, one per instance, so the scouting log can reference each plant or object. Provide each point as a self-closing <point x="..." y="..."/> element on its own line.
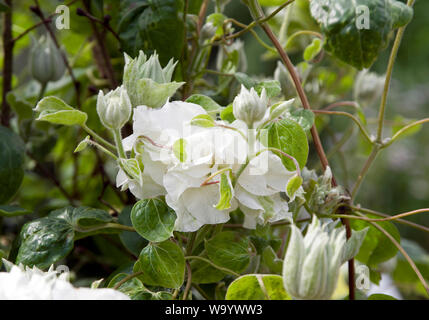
<point x="7" y="63"/>
<point x="106" y="68"/>
<point x="257" y="13"/>
<point x="188" y="281"/>
<point x="104" y="23"/>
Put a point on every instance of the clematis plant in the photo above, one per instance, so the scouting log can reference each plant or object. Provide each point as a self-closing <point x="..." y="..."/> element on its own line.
<point x="207" y="187"/>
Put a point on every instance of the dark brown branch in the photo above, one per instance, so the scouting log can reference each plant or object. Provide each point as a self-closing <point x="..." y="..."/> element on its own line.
<point x="258" y="14"/>
<point x="7" y="63"/>
<point x="105" y="65"/>
<point x="104" y="22"/>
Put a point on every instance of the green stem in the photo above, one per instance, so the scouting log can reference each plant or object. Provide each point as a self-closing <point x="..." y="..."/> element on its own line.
<point x="302" y="32"/>
<point x="42" y="90"/>
<point x="100" y="147"/>
<point x="118" y="142"/>
<point x="110" y="225"/>
<point x="365" y="169"/>
<point x="404" y="222"/>
<point x="349" y="115"/>
<point x="404" y="253"/>
<point x="98" y="138"/>
<point x="389" y="73"/>
<point x="127" y="278"/>
<point x="403" y="130"/>
<point x="213" y="265"/>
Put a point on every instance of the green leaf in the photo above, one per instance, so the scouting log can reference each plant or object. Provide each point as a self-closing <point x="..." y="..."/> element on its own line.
<point x="154" y="25"/>
<point x="153" y="94"/>
<point x="12" y="153"/>
<point x="132" y="168"/>
<point x="204" y="273"/>
<point x="206" y="102"/>
<point x="245" y="80"/>
<point x="272" y="88"/>
<point x="203" y="120"/>
<point x="226" y="192"/>
<point x="47" y="240"/>
<point x="22" y="108"/>
<point x="131" y="240"/>
<point x="289" y="137"/>
<point x="82" y="145"/>
<point x="153" y="219"/>
<point x="359" y="47"/>
<point x="55" y="110"/>
<point x="313" y="49"/>
<point x="179" y="149"/>
<point x="230" y="250"/>
<point x="257" y="287"/>
<point x="217" y="20"/>
<point x="227" y="114"/>
<point x="162" y="264"/>
<point x="293" y="185"/>
<point x="270" y="3"/>
<point x="354" y="243"/>
<point x="305" y="118"/>
<point x="12" y="211"/>
<point x="376" y="247"/>
<point x="380" y="296"/>
<point x="403" y="272"/>
<point x="271" y="260"/>
<point x="279" y="109"/>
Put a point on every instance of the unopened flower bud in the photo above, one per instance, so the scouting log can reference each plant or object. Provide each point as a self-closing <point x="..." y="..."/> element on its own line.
<point x="147" y="83"/>
<point x="312" y="263"/>
<point x="249" y="107"/>
<point x="114" y="108"/>
<point x="207" y="31"/>
<point x="46" y="63"/>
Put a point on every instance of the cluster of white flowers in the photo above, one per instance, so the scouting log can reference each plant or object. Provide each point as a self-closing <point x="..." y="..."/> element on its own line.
<point x="206" y="168"/>
<point x="24" y="283"/>
<point x="186" y="162"/>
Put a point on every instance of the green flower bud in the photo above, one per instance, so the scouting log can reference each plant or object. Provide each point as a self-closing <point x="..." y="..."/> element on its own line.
<point x="208" y="31"/>
<point x="114" y="108"/>
<point x="46" y="61"/>
<point x="249" y="107"/>
<point x="147" y="83"/>
<point x="312" y="263"/>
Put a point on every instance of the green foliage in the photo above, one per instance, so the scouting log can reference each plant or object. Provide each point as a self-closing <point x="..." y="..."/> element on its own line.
<point x="131" y="240"/>
<point x="376" y="247"/>
<point x="230" y="250"/>
<point x="289" y="137"/>
<point x="46" y="240"/>
<point x="257" y="287"/>
<point x="153" y="219"/>
<point x="361" y="46"/>
<point x="144" y="24"/>
<point x="154" y="231"/>
<point x="162" y="264"/>
<point x="12" y="153"/>
<point x="56" y="111"/>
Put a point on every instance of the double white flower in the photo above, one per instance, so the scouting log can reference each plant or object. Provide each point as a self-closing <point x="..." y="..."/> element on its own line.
<point x="191" y="185"/>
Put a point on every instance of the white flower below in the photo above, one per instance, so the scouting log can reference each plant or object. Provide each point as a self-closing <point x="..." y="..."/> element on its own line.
<point x="24" y="283"/>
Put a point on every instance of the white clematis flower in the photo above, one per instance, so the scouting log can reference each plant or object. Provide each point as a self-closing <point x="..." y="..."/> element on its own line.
<point x="24" y="283"/>
<point x="185" y="162"/>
